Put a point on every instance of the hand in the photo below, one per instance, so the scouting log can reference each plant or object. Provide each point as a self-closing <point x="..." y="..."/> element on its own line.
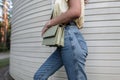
<point x="46" y="27"/>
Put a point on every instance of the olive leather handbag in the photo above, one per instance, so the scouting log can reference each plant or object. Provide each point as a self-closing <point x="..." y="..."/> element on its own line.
<point x="54" y="36"/>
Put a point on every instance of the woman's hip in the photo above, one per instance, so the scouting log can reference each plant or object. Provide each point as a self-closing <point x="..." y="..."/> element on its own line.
<point x="73" y="34"/>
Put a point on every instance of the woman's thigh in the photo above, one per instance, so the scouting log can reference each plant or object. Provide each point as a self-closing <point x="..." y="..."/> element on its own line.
<point x="50" y="66"/>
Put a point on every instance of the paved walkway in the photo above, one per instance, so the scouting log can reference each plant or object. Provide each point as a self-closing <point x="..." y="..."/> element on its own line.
<point x="4" y="55"/>
<point x="4" y="72"/>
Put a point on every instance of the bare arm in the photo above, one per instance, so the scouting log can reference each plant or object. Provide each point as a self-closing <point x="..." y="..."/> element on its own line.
<point x="72" y="13"/>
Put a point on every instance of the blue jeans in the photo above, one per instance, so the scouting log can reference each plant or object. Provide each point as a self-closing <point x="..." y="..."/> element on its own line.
<point x="72" y="56"/>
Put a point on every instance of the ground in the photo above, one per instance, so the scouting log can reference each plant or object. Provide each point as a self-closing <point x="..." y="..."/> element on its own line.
<point x="4" y="68"/>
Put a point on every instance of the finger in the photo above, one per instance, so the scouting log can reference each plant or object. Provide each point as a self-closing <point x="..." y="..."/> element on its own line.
<point x="44" y="30"/>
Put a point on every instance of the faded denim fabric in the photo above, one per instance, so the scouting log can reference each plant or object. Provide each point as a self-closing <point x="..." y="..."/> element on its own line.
<point x="72" y="56"/>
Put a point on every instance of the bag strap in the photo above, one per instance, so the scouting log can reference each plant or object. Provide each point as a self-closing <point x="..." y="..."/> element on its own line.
<point x="53" y="3"/>
<point x="51" y="14"/>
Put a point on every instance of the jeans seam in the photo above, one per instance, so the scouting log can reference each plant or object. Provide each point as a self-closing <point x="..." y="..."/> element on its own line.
<point x="74" y="60"/>
<point x="46" y="72"/>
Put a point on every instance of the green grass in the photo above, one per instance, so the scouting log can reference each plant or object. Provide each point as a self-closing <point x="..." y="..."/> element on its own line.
<point x="4" y="62"/>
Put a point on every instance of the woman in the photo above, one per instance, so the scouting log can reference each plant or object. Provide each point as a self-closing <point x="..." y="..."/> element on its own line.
<point x="73" y="54"/>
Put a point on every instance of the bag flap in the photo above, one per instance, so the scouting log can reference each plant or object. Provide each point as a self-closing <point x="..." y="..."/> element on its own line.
<point x="50" y="32"/>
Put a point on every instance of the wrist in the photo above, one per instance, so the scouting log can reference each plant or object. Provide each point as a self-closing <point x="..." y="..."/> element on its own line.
<point x="49" y="24"/>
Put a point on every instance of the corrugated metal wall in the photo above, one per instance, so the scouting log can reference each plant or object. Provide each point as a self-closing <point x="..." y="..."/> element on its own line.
<point x="101" y="31"/>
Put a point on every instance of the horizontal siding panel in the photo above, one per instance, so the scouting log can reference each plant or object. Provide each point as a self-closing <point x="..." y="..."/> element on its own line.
<point x="101" y="30"/>
<point x="19" y="40"/>
<point x="102" y="36"/>
<point x="29" y="25"/>
<point x="93" y="1"/>
<point x="15" y="76"/>
<point x="103" y="5"/>
<point x="103" y="63"/>
<point x="17" y="6"/>
<point x="102" y="11"/>
<point x="38" y="25"/>
<point x="56" y="78"/>
<point x="15" y="2"/>
<point x="102" y="17"/>
<point x="37" y="44"/>
<point x="33" y="55"/>
<point x="32" y="50"/>
<point x="26" y="63"/>
<point x="103" y="76"/>
<point x="22" y="5"/>
<point x="29" y="58"/>
<point x="103" y="70"/>
<point x="102" y="24"/>
<point x="104" y="49"/>
<point x="27" y="69"/>
<point x="107" y="43"/>
<point x="30" y="6"/>
<point x="36" y="10"/>
<point x="22" y="74"/>
<point x="31" y="12"/>
<point x="34" y="15"/>
<point x="27" y="35"/>
<point x="104" y="56"/>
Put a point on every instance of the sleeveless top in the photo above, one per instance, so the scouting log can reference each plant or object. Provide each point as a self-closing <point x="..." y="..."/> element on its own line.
<point x="61" y="6"/>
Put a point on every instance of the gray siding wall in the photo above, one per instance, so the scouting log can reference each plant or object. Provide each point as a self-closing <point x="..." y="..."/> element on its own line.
<point x="101" y="31"/>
